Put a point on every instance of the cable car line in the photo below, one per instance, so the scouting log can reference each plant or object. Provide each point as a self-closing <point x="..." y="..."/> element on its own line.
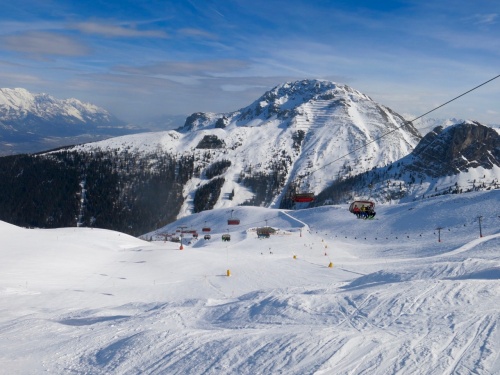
<point x="399" y="127"/>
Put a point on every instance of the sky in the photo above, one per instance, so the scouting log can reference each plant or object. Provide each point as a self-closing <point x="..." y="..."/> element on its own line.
<point x="145" y="59"/>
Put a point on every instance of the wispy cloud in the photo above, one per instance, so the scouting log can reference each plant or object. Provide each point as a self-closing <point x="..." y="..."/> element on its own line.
<point x="185" y="68"/>
<point x="116" y="31"/>
<point x="43" y="44"/>
<point x="485" y="19"/>
<point x="197" y="33"/>
<point x="19" y="80"/>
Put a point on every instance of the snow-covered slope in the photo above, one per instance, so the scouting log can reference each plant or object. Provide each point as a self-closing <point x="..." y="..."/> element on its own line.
<point x="308" y="133"/>
<point x="395" y="301"/>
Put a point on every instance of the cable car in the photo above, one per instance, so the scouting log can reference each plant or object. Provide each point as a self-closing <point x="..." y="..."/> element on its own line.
<point x="205" y="228"/>
<point x="363" y="209"/>
<point x="232" y="220"/>
<point x="303" y="197"/>
<point x="207" y="237"/>
<point x="226" y="237"/>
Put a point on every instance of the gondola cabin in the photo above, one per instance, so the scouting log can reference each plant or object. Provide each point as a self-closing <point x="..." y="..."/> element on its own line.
<point x="363" y="209"/>
<point x="226" y="237"/>
<point x="232" y="220"/>
<point x="205" y="228"/>
<point x="357" y="205"/>
<point x="303" y="197"/>
<point x="207" y="237"/>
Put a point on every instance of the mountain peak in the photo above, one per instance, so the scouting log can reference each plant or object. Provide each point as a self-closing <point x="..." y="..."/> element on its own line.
<point x="448" y="150"/>
<point x="286" y="99"/>
<point x="286" y="102"/>
<point x="310" y="89"/>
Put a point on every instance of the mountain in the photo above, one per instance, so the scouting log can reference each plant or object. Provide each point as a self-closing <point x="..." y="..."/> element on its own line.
<point x="460" y="158"/>
<point x="30" y="122"/>
<point x="298" y="136"/>
<point x="464" y="146"/>
<point x="310" y="136"/>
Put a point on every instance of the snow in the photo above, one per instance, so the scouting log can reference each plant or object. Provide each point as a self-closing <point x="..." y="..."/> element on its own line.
<point x="396" y="301"/>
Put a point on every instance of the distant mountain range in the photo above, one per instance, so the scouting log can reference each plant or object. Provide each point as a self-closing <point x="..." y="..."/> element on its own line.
<point x="309" y="136"/>
<point x="35" y="122"/>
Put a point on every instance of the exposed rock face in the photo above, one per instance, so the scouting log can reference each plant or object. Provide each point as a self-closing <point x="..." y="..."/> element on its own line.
<point x="197" y="117"/>
<point x="211" y="142"/>
<point x="221" y="123"/>
<point x="456" y="149"/>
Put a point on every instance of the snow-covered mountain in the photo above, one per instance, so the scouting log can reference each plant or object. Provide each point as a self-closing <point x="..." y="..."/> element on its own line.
<point x="29" y="122"/>
<point x="26" y="110"/>
<point x="299" y="136"/>
<point x="454" y="159"/>
<point x="461" y="147"/>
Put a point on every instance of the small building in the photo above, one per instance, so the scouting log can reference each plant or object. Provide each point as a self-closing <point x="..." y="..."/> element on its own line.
<point x="265" y="232"/>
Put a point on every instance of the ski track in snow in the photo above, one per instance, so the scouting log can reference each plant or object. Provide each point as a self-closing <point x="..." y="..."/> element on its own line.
<point x="90" y="301"/>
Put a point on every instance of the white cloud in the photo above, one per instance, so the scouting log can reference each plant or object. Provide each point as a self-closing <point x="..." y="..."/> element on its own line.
<point x="20" y="80"/>
<point x="197" y="33"/>
<point x="109" y="30"/>
<point x="485" y="19"/>
<point x="44" y="43"/>
<point x="186" y="68"/>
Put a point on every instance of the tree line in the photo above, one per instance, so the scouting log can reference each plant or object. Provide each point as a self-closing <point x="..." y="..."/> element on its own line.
<point x="124" y="191"/>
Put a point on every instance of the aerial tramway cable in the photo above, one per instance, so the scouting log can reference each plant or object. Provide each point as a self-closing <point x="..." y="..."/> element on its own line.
<point x="399" y="127"/>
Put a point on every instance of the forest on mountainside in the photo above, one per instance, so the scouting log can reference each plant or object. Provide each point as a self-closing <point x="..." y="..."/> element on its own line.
<point x="119" y="191"/>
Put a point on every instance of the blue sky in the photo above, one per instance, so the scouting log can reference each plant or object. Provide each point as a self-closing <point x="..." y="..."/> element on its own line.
<point x="141" y="59"/>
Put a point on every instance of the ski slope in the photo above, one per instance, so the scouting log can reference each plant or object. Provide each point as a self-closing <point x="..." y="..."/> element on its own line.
<point x="396" y="301"/>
